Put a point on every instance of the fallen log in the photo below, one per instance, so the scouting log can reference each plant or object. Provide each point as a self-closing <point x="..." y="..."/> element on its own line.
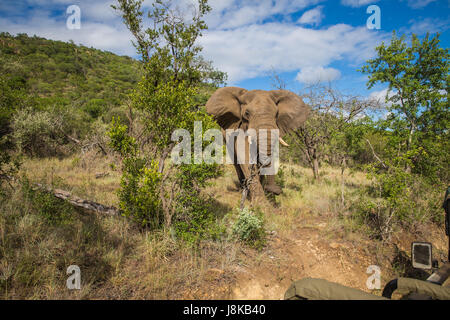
<point x="101" y="175"/>
<point x="79" y="202"/>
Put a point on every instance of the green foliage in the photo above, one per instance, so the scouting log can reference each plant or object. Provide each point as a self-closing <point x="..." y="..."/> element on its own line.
<point x="95" y="107"/>
<point x="139" y="194"/>
<point x="249" y="228"/>
<point x="12" y="98"/>
<point x="120" y="141"/>
<point x="167" y="99"/>
<point x="90" y="79"/>
<point x="397" y="198"/>
<point x="280" y="178"/>
<point x="418" y="80"/>
<point x="169" y="46"/>
<point x="167" y="107"/>
<point x="411" y="144"/>
<point x="118" y="113"/>
<point x="45" y="133"/>
<point x="55" y="211"/>
<point x="195" y="220"/>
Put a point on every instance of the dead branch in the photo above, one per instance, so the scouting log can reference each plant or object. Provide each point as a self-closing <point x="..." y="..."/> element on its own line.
<point x="375" y="155"/>
<point x="79" y="202"/>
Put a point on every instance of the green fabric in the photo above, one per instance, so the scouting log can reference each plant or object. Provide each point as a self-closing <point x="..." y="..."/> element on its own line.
<point x="319" y="289"/>
<point x="423" y="287"/>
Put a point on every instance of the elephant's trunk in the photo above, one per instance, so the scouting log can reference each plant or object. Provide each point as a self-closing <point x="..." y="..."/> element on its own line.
<point x="265" y="143"/>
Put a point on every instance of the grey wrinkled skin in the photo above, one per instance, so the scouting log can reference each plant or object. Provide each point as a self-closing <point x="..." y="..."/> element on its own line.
<point x="236" y="108"/>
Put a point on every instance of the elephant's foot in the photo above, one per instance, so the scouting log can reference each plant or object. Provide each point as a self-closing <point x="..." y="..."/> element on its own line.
<point x="272" y="188"/>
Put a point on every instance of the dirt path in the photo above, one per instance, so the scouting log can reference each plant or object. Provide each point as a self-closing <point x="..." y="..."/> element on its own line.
<point x="308" y="253"/>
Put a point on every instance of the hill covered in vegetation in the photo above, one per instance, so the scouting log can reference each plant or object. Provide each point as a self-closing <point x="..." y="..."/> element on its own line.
<point x="54" y="95"/>
<point x="91" y="80"/>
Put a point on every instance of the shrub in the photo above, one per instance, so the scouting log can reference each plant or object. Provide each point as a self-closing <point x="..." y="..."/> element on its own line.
<point x="249" y="228"/>
<point x="46" y="133"/>
<point x="34" y="133"/>
<point x="195" y="220"/>
<point x="55" y="211"/>
<point x="118" y="113"/>
<point x="396" y="198"/>
<point x="95" y="107"/>
<point x="139" y="194"/>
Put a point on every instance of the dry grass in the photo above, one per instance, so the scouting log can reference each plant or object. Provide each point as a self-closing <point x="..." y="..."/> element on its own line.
<point x="119" y="261"/>
<point x="302" y="196"/>
<point x="77" y="174"/>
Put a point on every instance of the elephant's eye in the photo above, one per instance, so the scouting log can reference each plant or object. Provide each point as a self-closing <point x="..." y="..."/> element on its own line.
<point x="247" y="114"/>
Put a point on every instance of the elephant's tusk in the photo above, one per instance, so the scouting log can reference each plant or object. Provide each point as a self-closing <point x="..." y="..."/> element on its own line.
<point x="283" y="143"/>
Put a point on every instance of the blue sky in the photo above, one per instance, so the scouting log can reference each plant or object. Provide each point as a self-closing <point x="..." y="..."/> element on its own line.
<point x="303" y="41"/>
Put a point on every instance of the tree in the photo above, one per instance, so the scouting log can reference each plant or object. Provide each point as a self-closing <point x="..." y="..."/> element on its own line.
<point x="168" y="48"/>
<point x="166" y="99"/>
<point x="418" y="84"/>
<point x="172" y="64"/>
<point x="330" y="130"/>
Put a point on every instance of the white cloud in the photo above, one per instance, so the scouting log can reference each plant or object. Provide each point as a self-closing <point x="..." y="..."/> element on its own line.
<point x="312" y="75"/>
<point x="423" y="26"/>
<point x="357" y="3"/>
<point x="417" y="4"/>
<point x="112" y="36"/>
<point x="312" y="17"/>
<point x="381" y="96"/>
<point x="251" y="51"/>
<point x="236" y="13"/>
<point x="237" y="42"/>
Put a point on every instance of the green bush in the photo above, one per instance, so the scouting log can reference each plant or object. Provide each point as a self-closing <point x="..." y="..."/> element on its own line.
<point x="35" y="134"/>
<point x="95" y="107"/>
<point x="397" y="199"/>
<point x="55" y="211"/>
<point x="118" y="113"/>
<point x="139" y="194"/>
<point x="195" y="219"/>
<point x="249" y="228"/>
<point x="46" y="132"/>
<point x="121" y="141"/>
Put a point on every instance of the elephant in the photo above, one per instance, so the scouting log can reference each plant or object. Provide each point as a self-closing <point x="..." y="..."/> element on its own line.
<point x="237" y="108"/>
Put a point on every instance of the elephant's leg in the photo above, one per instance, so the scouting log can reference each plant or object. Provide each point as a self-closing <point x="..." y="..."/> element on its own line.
<point x="250" y="173"/>
<point x="252" y="180"/>
<point x="271" y="186"/>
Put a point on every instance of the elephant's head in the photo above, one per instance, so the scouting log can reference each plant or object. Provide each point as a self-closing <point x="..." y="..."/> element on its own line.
<point x="235" y="108"/>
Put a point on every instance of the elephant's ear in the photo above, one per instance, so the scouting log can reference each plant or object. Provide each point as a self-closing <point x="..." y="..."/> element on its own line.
<point x="224" y="105"/>
<point x="292" y="111"/>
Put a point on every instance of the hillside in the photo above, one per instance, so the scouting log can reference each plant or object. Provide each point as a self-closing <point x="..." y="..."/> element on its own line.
<point x="68" y="74"/>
